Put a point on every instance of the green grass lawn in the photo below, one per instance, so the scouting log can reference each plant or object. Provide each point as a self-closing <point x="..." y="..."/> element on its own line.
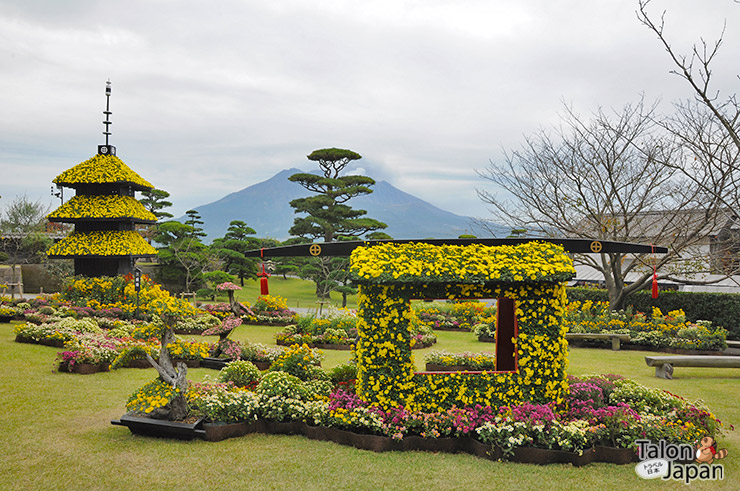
<point x="300" y="293"/>
<point x="55" y="433"/>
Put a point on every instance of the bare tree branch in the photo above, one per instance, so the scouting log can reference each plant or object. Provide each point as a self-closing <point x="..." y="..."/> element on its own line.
<point x="605" y="178"/>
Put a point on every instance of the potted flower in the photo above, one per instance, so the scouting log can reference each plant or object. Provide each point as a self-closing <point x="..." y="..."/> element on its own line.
<point x="88" y="353"/>
<point x="7" y="313"/>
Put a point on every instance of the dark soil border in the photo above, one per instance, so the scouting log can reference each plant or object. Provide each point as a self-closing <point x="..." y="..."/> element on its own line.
<point x="216" y="432"/>
<point x="56" y="343"/>
<point x="84" y="368"/>
<point x="377" y="443"/>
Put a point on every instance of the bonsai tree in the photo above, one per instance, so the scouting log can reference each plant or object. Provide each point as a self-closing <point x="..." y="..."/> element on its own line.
<point x="225" y="346"/>
<point x="174" y="376"/>
<point x="236" y="307"/>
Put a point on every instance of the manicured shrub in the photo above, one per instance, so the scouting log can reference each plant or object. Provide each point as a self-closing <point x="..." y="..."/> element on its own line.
<point x="241" y="373"/>
<point x="299" y="361"/>
<point x="281" y="384"/>
<point x="343" y="374"/>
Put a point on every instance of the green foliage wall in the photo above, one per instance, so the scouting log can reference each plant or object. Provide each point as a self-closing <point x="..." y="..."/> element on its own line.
<point x="722" y="309"/>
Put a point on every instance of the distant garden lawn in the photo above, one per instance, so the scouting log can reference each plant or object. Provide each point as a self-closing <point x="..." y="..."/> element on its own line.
<point x="57" y="433"/>
<point x="299" y="293"/>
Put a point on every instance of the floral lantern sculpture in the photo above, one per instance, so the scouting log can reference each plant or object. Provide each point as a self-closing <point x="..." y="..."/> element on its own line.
<point x="104" y="212"/>
<point x="528" y="279"/>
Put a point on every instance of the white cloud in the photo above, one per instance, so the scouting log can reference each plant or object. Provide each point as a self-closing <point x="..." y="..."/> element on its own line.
<point x="211" y="98"/>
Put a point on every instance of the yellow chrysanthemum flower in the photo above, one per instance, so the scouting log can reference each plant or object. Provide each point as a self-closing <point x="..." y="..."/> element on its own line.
<point x="101" y="169"/>
<point x="107" y="206"/>
<point x="102" y="243"/>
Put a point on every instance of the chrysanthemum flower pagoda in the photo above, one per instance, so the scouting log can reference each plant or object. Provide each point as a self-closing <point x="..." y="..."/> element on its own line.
<point x="104" y="212"/>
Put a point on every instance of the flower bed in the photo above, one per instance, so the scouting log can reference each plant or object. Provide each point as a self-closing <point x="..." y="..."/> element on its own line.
<point x="8" y="313"/>
<point x="338" y="330"/>
<point x="197" y="325"/>
<point x="285" y="340"/>
<point x="446" y="361"/>
<point x="215" y="432"/>
<point x="664" y="332"/>
<point x="85" y="343"/>
<point x="261" y="355"/>
<point x="485" y="331"/>
<point x="271" y="310"/>
<point x="119" y="292"/>
<point x="457" y="316"/>
<point x="600" y="421"/>
<point x="88" y="349"/>
<point x="83" y="368"/>
<point x="54" y="333"/>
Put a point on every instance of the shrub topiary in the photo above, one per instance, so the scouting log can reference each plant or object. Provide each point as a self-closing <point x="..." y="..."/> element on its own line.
<point x="300" y="361"/>
<point x="281" y="384"/>
<point x="241" y="373"/>
<point x="343" y="373"/>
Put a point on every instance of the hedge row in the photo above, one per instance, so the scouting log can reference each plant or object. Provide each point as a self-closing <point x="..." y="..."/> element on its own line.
<point x="723" y="309"/>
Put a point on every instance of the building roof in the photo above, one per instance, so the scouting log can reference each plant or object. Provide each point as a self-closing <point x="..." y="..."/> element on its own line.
<point x="649" y="226"/>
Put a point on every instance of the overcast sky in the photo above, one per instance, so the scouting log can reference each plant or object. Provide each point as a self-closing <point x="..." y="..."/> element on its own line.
<point x="212" y="97"/>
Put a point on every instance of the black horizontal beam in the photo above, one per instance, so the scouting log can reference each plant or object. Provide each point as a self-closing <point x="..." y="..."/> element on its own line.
<point x="345" y="248"/>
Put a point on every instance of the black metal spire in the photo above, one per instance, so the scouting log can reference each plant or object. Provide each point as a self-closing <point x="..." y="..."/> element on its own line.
<point x="107" y="149"/>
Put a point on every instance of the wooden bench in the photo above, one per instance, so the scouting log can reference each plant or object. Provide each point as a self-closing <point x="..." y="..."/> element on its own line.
<point x="14" y="287"/>
<point x="190" y="296"/>
<point x="616" y="339"/>
<point x="664" y="364"/>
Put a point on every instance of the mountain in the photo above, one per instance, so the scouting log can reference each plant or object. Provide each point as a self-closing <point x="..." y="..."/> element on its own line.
<point x="265" y="207"/>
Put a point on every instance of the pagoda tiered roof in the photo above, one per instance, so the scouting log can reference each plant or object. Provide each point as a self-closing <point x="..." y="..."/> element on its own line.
<point x="102" y="243"/>
<point x="102" y="207"/>
<point x="102" y="169"/>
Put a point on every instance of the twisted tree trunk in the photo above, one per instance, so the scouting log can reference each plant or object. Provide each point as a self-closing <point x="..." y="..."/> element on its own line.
<point x="176" y="376"/>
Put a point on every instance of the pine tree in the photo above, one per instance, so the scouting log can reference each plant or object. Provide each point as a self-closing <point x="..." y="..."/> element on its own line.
<point x="327" y="214"/>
